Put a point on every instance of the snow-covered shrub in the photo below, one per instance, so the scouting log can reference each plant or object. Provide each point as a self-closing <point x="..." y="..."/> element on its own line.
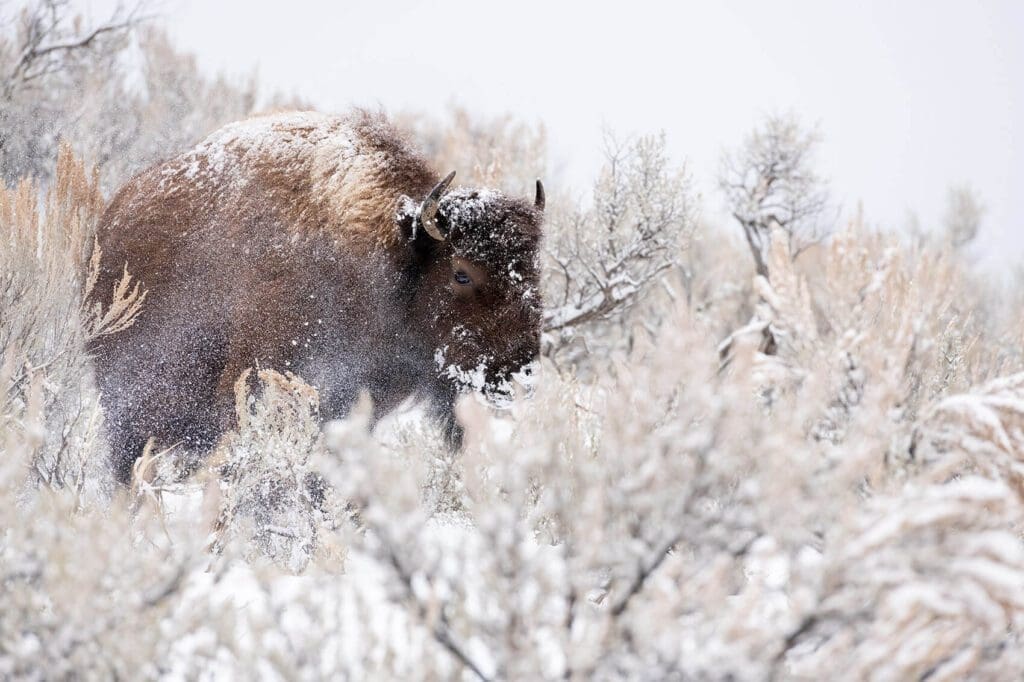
<point x="772" y="189"/>
<point x="268" y="490"/>
<point x="604" y="263"/>
<point x="78" y="600"/>
<point x="760" y="479"/>
<point x="45" y="272"/>
<point x="115" y="88"/>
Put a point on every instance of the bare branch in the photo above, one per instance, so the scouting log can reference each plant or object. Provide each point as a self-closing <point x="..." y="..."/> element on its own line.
<point x="441" y="631"/>
<point x="50" y="39"/>
<point x="645" y="572"/>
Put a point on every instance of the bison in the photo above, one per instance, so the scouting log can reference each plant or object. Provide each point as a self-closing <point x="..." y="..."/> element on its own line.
<point x="320" y="245"/>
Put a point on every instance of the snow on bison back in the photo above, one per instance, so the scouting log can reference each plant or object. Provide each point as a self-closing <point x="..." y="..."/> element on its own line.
<point x="321" y="245"/>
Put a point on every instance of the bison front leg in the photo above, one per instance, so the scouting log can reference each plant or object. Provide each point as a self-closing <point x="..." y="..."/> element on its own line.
<point x="453" y="431"/>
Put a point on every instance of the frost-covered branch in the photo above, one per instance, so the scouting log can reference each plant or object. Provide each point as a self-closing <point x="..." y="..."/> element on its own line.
<point x="50" y="40"/>
<point x="64" y="79"/>
<point x="600" y="261"/>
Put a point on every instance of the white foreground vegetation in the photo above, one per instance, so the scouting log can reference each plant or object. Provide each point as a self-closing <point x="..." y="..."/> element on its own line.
<point x="839" y="486"/>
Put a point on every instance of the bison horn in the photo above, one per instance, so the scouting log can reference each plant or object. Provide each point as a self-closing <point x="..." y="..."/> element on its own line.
<point x="428" y="209"/>
<point x="538" y="200"/>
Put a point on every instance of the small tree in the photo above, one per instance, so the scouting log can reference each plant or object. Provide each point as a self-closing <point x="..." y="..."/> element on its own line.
<point x="48" y="59"/>
<point x="770" y="181"/>
<point x="64" y="79"/>
<point x="602" y="261"/>
<point x="964" y="211"/>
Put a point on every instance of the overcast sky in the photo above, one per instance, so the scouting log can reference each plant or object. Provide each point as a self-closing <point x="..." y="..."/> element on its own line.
<point x="909" y="96"/>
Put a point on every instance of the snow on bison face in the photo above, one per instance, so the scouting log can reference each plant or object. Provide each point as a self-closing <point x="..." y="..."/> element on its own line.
<point x="479" y="294"/>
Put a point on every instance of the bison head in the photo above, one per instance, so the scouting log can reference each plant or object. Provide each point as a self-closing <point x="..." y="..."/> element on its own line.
<point x="477" y="295"/>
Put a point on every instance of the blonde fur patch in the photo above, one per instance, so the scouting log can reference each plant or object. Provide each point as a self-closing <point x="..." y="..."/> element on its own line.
<point x="352" y="187"/>
<point x="343" y="174"/>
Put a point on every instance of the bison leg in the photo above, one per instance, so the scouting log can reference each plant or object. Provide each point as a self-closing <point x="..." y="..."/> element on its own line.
<point x="159" y="386"/>
<point x="442" y="404"/>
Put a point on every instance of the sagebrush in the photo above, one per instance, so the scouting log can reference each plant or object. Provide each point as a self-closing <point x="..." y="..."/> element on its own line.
<point x="728" y="469"/>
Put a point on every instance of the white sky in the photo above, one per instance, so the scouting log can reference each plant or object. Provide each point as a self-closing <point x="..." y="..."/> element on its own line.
<point x="909" y="96"/>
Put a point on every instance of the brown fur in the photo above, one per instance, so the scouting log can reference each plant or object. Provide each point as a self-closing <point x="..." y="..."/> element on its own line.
<point x="287" y="242"/>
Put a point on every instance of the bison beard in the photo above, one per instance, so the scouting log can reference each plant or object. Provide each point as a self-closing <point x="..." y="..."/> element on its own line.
<point x="320" y="245"/>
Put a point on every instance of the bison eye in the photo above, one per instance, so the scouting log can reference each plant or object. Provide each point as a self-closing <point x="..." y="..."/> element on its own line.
<point x="461" y="277"/>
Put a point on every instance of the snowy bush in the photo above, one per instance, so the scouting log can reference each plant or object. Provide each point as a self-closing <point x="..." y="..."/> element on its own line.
<point x="264" y="477"/>
<point x="115" y="88"/>
<point x="720" y="475"/>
